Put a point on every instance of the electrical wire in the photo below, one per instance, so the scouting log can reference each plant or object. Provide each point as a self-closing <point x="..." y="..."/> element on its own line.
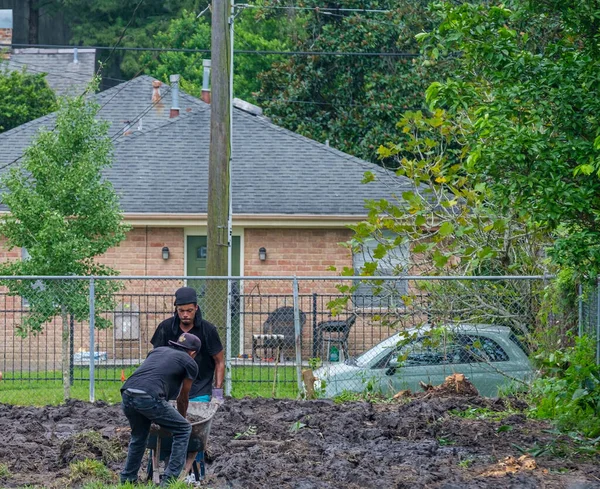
<point x="120" y="38"/>
<point x="316" y="9"/>
<point x="236" y="51"/>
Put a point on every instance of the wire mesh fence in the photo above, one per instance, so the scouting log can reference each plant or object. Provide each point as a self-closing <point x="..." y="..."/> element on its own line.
<point x="589" y="314"/>
<point x="97" y="330"/>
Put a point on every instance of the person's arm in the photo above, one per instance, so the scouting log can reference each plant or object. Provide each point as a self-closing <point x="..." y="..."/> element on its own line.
<point x="183" y="399"/>
<point x="219" y="359"/>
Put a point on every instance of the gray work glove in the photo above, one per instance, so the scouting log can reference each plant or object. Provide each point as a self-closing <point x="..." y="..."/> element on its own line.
<point x="217" y="396"/>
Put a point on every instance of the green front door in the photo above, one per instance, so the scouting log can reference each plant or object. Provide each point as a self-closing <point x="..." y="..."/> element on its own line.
<point x="196" y="267"/>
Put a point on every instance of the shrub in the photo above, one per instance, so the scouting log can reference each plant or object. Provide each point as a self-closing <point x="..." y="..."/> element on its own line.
<point x="568" y="391"/>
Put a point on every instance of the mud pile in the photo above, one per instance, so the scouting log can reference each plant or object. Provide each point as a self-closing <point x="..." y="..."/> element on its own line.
<point x="264" y="443"/>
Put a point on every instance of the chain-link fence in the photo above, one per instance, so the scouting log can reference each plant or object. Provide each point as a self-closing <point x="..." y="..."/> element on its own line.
<point x="95" y="330"/>
<point x="589" y="314"/>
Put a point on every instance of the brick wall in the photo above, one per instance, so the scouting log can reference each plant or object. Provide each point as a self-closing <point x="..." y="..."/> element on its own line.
<point x="299" y="252"/>
<point x="5" y="38"/>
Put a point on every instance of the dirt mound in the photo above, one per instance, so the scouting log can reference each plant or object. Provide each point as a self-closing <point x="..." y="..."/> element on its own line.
<point x="434" y="442"/>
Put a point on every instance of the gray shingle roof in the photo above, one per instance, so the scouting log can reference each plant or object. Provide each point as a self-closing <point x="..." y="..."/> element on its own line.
<point x="64" y="76"/>
<point x="161" y="165"/>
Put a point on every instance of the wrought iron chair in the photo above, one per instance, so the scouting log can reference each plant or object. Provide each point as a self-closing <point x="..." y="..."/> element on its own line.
<point x="335" y="333"/>
<point x="279" y="333"/>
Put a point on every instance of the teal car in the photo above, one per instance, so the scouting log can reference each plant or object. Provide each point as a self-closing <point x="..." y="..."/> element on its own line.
<point x="489" y="356"/>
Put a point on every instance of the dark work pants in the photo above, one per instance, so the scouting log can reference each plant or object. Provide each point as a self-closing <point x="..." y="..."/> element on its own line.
<point x="141" y="412"/>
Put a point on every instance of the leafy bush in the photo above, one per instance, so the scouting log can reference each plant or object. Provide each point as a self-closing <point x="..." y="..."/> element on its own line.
<point x="569" y="390"/>
<point x="23" y="97"/>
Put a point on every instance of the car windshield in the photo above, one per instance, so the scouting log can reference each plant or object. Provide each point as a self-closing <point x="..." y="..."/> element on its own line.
<point x="370" y="356"/>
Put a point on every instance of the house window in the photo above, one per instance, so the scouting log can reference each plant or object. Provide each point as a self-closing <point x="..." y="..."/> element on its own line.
<point x="388" y="294"/>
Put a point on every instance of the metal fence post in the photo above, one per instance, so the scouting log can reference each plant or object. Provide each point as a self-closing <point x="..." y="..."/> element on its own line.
<point x="298" y="334"/>
<point x="315" y="335"/>
<point x="228" y="336"/>
<point x="92" y="339"/>
<point x="71" y="348"/>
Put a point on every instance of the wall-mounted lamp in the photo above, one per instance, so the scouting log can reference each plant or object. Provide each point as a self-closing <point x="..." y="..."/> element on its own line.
<point x="165" y="252"/>
<point x="262" y="253"/>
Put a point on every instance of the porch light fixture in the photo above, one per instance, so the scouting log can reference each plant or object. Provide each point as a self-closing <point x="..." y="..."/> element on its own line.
<point x="165" y="252"/>
<point x="262" y="253"/>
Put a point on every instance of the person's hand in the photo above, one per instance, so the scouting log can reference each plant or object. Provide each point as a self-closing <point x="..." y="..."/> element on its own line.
<point x="217" y="396"/>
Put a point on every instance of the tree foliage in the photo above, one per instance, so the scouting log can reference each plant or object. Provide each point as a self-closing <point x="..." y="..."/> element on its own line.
<point x="252" y="32"/>
<point x="23" y="97"/>
<point x="527" y="96"/>
<point x="352" y="101"/>
<point x="64" y="214"/>
<point x="103" y="22"/>
<point x="446" y="217"/>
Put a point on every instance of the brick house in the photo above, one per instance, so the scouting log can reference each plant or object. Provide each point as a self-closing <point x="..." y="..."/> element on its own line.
<point x="293" y="197"/>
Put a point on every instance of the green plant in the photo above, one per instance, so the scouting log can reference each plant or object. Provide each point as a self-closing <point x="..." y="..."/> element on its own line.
<point x="4" y="470"/>
<point x="569" y="390"/>
<point x="465" y="463"/>
<point x="314" y="363"/>
<point x="444" y="442"/>
<point x="297" y="426"/>
<point x="251" y="431"/>
<point x="482" y="413"/>
<point x="90" y="469"/>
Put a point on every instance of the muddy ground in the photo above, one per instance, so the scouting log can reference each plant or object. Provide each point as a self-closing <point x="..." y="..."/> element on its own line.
<point x="262" y="443"/>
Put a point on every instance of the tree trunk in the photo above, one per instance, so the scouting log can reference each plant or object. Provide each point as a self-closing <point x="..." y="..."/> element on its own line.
<point x="66" y="354"/>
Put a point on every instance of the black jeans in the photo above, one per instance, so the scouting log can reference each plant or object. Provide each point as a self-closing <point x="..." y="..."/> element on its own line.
<point x="141" y="412"/>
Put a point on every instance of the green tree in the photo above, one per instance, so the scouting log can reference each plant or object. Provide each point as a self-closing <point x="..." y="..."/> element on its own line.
<point x="446" y="218"/>
<point x="527" y="97"/>
<point x="352" y="101"/>
<point x="65" y="214"/>
<point x="252" y="32"/>
<point x="23" y="97"/>
<point x="103" y="22"/>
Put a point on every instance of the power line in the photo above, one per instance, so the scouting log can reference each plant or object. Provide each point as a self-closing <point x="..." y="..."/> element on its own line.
<point x="236" y="51"/>
<point x="315" y="9"/>
<point x="121" y="37"/>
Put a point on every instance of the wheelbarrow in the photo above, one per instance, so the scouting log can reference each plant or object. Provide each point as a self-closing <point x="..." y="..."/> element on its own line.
<point x="200" y="415"/>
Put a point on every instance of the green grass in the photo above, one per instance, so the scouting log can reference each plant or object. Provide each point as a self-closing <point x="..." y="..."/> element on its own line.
<point x="45" y="388"/>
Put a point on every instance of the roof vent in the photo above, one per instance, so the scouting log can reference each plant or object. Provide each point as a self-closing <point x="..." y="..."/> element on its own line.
<point x="247" y="107"/>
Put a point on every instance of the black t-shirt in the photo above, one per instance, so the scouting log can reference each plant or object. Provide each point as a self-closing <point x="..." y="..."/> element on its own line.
<point x="211" y="345"/>
<point x="163" y="372"/>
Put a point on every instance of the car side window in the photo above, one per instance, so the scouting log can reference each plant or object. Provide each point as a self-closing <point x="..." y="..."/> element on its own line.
<point x="421" y="351"/>
<point x="475" y="348"/>
<point x="458" y="348"/>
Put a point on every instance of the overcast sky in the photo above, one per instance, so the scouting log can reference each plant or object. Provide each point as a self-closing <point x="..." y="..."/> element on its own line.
<point x="5" y="18"/>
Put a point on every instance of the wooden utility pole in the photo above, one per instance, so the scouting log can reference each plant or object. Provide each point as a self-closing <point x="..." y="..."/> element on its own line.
<point x="218" y="239"/>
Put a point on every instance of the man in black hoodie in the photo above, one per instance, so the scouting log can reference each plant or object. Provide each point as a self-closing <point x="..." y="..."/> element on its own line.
<point x="210" y="360"/>
<point x="167" y="372"/>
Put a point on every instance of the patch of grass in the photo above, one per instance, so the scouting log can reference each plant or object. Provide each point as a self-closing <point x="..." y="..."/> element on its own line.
<point x="482" y="414"/>
<point x="45" y="387"/>
<point x="444" y="442"/>
<point x="257" y="381"/>
<point x="565" y="445"/>
<point x="90" y="444"/>
<point x="4" y="470"/>
<point x="87" y="469"/>
<point x="376" y="398"/>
